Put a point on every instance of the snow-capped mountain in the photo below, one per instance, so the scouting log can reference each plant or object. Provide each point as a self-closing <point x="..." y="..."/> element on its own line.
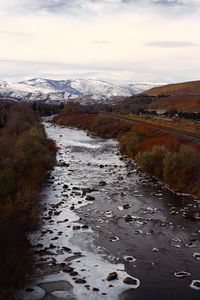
<point x="85" y="90"/>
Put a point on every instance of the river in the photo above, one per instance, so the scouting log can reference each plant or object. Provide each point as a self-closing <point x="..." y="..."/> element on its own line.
<point x="100" y="215"/>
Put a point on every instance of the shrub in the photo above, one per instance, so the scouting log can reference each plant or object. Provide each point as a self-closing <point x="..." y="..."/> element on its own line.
<point x="108" y="127"/>
<point x="129" y="144"/>
<point x="152" y="161"/>
<point x="181" y="168"/>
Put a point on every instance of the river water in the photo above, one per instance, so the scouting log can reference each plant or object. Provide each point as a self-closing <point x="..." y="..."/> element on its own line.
<point x="85" y="233"/>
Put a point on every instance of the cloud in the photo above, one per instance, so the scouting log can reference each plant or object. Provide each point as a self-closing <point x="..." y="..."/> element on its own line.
<point x="136" y="40"/>
<point x="50" y="5"/>
<point x="16" y="34"/>
<point x="12" y="70"/>
<point x="93" y="7"/>
<point x="171" y="44"/>
<point x="171" y="2"/>
<point x="101" y="42"/>
<point x="161" y="2"/>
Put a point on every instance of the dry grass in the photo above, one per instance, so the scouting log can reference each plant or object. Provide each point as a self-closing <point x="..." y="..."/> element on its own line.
<point x="185" y="88"/>
<point x="180" y="102"/>
<point x="182" y="96"/>
<point x="177" y="124"/>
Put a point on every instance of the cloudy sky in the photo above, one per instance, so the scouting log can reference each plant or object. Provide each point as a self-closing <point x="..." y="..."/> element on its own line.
<point x="115" y="40"/>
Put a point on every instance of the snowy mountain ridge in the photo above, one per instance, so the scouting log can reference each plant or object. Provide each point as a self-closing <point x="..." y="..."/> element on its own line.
<point x="85" y="90"/>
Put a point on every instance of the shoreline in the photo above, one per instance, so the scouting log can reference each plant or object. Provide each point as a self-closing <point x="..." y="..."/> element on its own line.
<point x="166" y="185"/>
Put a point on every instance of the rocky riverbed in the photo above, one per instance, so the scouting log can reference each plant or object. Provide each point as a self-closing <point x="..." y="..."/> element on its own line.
<point x="109" y="232"/>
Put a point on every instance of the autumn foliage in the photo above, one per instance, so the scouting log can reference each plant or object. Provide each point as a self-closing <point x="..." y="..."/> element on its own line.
<point x="26" y="155"/>
<point x="165" y="155"/>
<point x="76" y="120"/>
<point x="98" y="124"/>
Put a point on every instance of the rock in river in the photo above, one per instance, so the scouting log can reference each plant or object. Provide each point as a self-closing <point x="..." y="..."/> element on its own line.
<point x="90" y="198"/>
<point x="102" y="183"/>
<point x="85" y="227"/>
<point x="196" y="255"/>
<point x="80" y="281"/>
<point x="126" y="206"/>
<point x="182" y="274"/>
<point x="130" y="280"/>
<point x="112" y="276"/>
<point x="128" y="218"/>
<point x="68" y="269"/>
<point x="76" y="227"/>
<point x="195" y="284"/>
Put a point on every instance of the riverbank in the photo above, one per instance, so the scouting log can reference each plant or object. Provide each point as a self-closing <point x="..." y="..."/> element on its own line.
<point x="27" y="155"/>
<point x="167" y="156"/>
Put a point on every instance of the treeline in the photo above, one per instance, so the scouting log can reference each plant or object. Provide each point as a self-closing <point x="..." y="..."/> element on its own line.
<point x="47" y="109"/>
<point x="189" y="115"/>
<point x="75" y="107"/>
<point x="26" y="156"/>
<point x="160" y="153"/>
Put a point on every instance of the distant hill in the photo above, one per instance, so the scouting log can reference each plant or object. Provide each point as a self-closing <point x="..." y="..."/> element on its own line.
<point x="186" y="88"/>
<point x="134" y="104"/>
<point x="182" y="96"/>
<point x="83" y="90"/>
<point x="179" y="102"/>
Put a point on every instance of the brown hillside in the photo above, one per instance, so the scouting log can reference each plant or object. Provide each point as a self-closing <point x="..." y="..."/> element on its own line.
<point x="180" y="102"/>
<point x="182" y="96"/>
<point x="186" y="88"/>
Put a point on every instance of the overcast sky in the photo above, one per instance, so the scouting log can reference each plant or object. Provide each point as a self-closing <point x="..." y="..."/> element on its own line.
<point x="114" y="40"/>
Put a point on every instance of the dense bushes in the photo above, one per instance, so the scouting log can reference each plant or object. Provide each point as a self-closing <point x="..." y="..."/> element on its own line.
<point x="98" y="124"/>
<point x="25" y="157"/>
<point x="165" y="155"/>
<point x="152" y="161"/>
<point x="106" y="127"/>
<point x="180" y="169"/>
<point x="77" y="120"/>
<point x="129" y="143"/>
